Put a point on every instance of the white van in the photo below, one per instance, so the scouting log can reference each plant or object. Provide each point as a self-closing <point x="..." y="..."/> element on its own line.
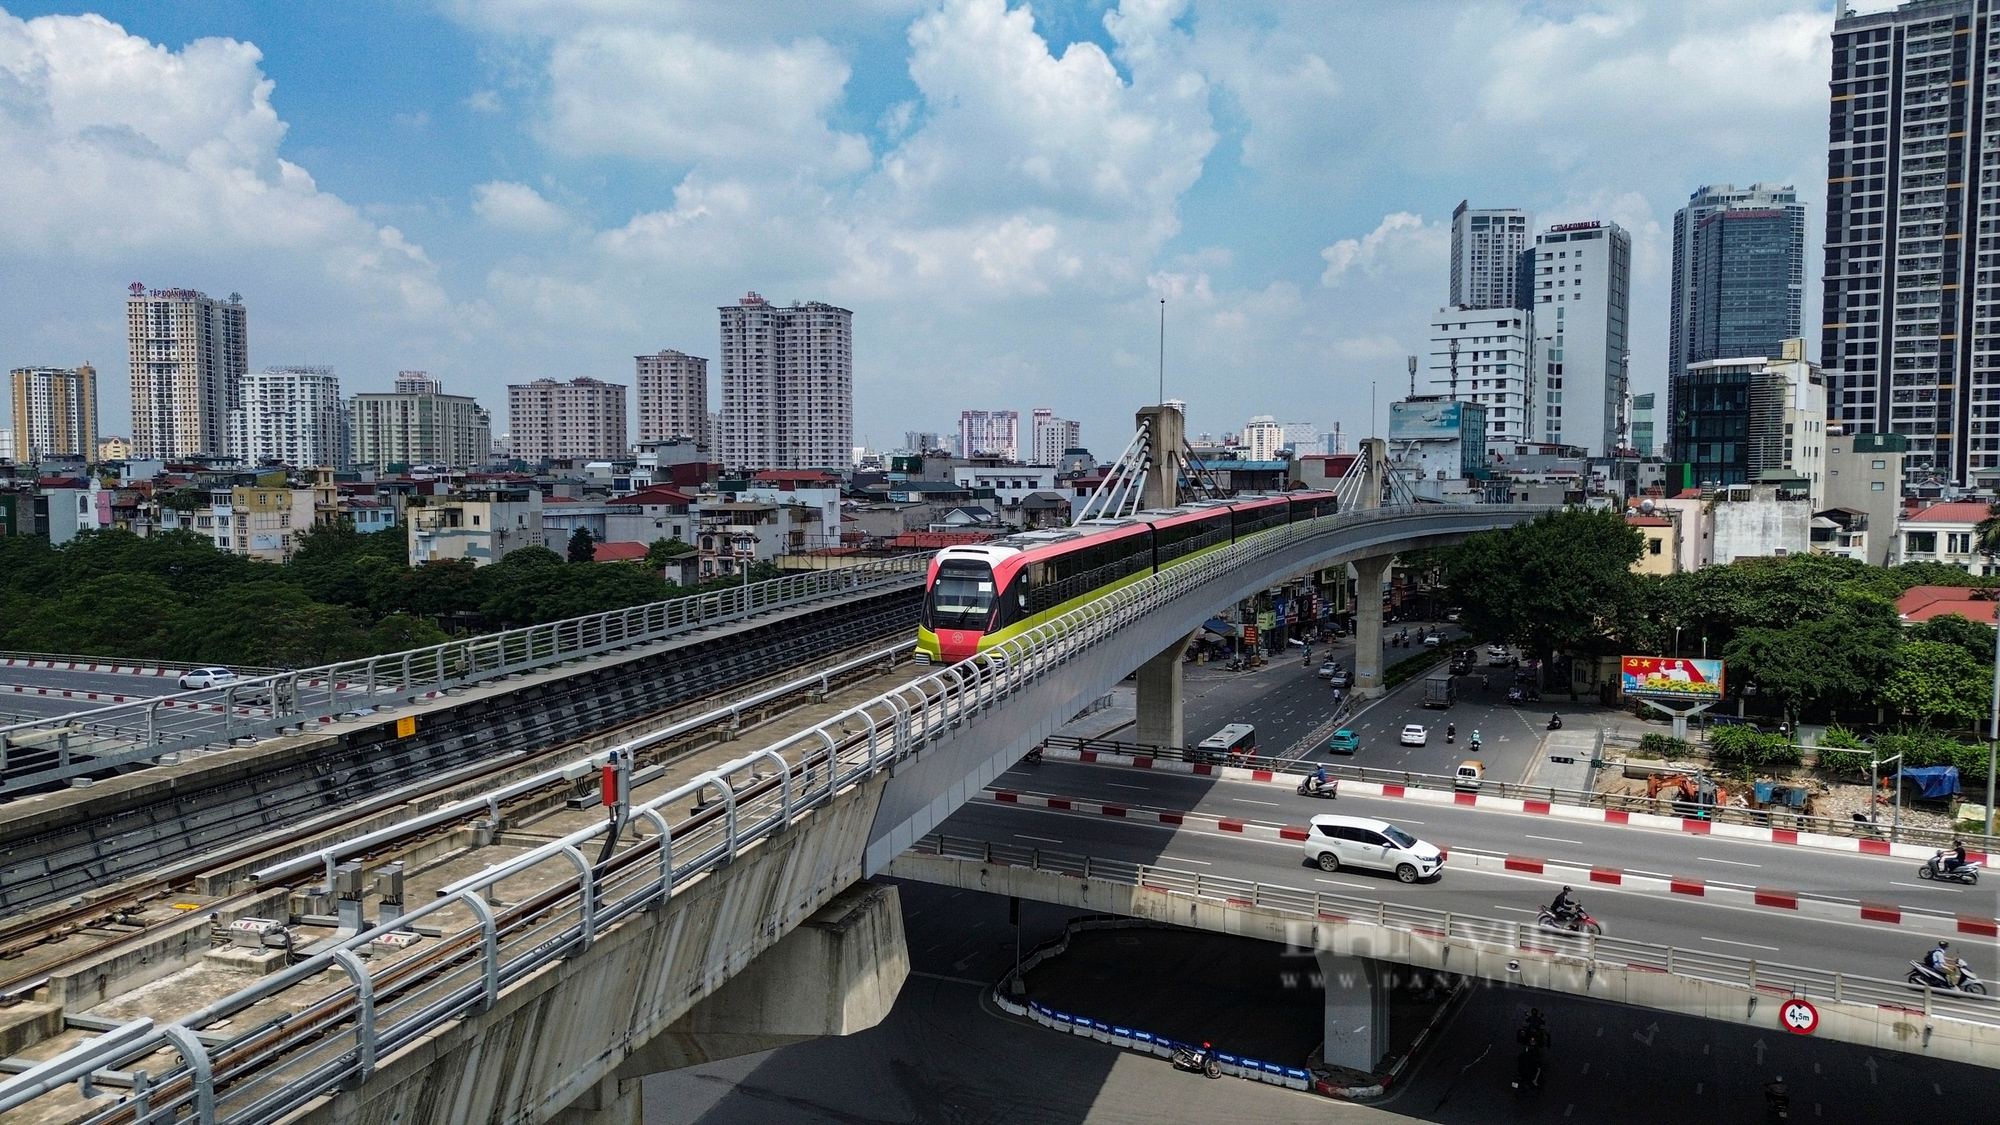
<point x="1334" y="842"/>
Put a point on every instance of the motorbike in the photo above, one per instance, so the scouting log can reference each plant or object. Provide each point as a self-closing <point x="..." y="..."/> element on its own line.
<point x="1330" y="789"/>
<point x="1555" y="722"/>
<point x="1777" y="1103"/>
<point x="1921" y="974"/>
<point x="1934" y="868"/>
<point x="1033" y="757"/>
<point x="1578" y="923"/>
<point x="1198" y="1060"/>
<point x="1449" y="738"/>
<point x="1529" y="1065"/>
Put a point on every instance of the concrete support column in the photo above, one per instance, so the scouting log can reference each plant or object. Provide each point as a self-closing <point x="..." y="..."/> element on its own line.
<point x="1163" y="475"/>
<point x="1160" y="694"/>
<point x="1368" y="625"/>
<point x="1357" y="1011"/>
<point x="1375" y="469"/>
<point x="614" y="1101"/>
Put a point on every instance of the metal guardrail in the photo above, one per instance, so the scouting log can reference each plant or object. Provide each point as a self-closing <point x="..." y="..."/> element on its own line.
<point x="1743" y="972"/>
<point x="117" y="662"/>
<point x="261" y="1073"/>
<point x="1658" y="806"/>
<point x="59" y="748"/>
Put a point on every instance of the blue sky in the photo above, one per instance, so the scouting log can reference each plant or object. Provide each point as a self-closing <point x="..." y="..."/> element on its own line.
<point x="506" y="190"/>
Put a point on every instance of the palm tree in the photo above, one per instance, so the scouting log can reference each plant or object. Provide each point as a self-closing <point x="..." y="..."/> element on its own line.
<point x="1988" y="531"/>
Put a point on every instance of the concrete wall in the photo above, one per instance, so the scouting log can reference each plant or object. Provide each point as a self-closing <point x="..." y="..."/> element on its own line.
<point x="1870" y="1025"/>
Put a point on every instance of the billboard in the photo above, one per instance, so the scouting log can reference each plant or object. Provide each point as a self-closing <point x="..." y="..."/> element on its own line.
<point x="1426" y="421"/>
<point x="1671" y="677"/>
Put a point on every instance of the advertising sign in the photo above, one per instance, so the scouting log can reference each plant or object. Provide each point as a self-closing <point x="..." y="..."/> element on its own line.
<point x="1425" y="421"/>
<point x="1671" y="677"/>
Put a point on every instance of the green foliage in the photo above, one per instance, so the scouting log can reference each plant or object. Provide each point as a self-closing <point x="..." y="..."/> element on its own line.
<point x="582" y="547"/>
<point x="1560" y="582"/>
<point x="1922" y="746"/>
<point x="1953" y="629"/>
<point x="1744" y="750"/>
<point x="1840" y="738"/>
<point x="1844" y="763"/>
<point x="1937" y="574"/>
<point x="1410" y="667"/>
<point x="1937" y="681"/>
<point x="663" y="550"/>
<point x="1833" y="654"/>
<point x="1653" y="744"/>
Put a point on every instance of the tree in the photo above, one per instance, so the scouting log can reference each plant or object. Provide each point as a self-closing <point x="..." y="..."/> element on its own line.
<point x="1988" y="531"/>
<point x="1829" y="660"/>
<point x="582" y="548"/>
<point x="1557" y="583"/>
<point x="663" y="550"/>
<point x="1953" y="629"/>
<point x="1938" y="682"/>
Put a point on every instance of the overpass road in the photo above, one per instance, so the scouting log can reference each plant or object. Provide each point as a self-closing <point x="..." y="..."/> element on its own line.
<point x="1745" y="931"/>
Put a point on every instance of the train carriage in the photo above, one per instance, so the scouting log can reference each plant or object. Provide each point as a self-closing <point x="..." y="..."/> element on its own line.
<point x="978" y="596"/>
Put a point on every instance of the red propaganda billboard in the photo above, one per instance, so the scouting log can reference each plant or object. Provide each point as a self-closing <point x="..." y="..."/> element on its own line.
<point x="1671" y="677"/>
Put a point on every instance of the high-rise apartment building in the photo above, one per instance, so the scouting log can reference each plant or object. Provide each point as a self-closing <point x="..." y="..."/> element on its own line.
<point x="787" y="385"/>
<point x="990" y="433"/>
<point x="1911" y="302"/>
<point x="1482" y="355"/>
<point x="290" y="416"/>
<point x="580" y="418"/>
<point x="920" y="441"/>
<point x="1262" y="438"/>
<point x="1642" y="424"/>
<point x="1583" y="300"/>
<point x="55" y="412"/>
<point x="1053" y="436"/>
<point x="418" y="424"/>
<point x="1747" y="417"/>
<point x="673" y="397"/>
<point x="188" y="355"/>
<point x="1486" y="247"/>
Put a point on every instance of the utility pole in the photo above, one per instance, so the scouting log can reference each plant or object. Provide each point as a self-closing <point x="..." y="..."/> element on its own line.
<point x="1163" y="350"/>
<point x="1993" y="728"/>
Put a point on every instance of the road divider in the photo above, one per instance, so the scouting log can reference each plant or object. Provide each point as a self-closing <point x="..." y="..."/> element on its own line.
<point x="1806" y="904"/>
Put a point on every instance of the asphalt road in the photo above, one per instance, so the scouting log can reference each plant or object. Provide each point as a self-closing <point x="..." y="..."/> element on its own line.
<point x="1697" y="924"/>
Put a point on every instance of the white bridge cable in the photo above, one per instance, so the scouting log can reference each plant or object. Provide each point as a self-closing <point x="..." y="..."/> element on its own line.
<point x="1123" y="481"/>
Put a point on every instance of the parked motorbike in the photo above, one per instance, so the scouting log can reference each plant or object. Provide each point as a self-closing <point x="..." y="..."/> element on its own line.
<point x="1934" y="868"/>
<point x="1578" y="923"/>
<point x="1329" y="789"/>
<point x="1968" y="981"/>
<point x="1198" y="1060"/>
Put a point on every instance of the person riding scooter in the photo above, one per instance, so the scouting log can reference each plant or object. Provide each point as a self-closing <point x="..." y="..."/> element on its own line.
<point x="1956" y="859"/>
<point x="1475" y="740"/>
<point x="1318" y="779"/>
<point x="1450" y="731"/>
<point x="1555" y="722"/>
<point x="1943" y="963"/>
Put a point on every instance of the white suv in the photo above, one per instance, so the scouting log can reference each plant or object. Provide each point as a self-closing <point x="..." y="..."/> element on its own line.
<point x="1334" y="842"/>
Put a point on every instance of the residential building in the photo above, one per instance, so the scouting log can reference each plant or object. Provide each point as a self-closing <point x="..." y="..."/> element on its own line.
<point x="483" y="525"/>
<point x="807" y="488"/>
<point x="1486" y="247"/>
<point x="114" y="449"/>
<point x="1922" y="603"/>
<point x="1864" y="476"/>
<point x="673" y="397"/>
<point x="1738" y="275"/>
<point x="1262" y="438"/>
<point x="731" y="536"/>
<point x="55" y="411"/>
<point x="787" y="386"/>
<point x="1438" y="443"/>
<point x="1660" y="553"/>
<point x="547" y="420"/>
<point x="261" y="521"/>
<point x="6" y="445"/>
<point x="1583" y="279"/>
<point x="920" y="441"/>
<point x="290" y="416"/>
<point x="990" y="433"/>
<point x="418" y="424"/>
<point x="1484" y="357"/>
<point x="188" y="355"/>
<point x="1010" y="484"/>
<point x="1945" y="533"/>
<point x="1054" y="436"/>
<point x="1642" y="424"/>
<point x="1912" y="272"/>
<point x="1760" y="521"/>
<point x="1748" y="419"/>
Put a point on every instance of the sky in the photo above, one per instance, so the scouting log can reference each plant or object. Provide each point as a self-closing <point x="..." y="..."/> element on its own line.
<point x="1003" y="193"/>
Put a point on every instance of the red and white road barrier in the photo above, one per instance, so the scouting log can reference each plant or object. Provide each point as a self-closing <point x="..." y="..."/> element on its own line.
<point x="62" y="693"/>
<point x="1733" y="894"/>
<point x="1695" y="825"/>
<point x="78" y="666"/>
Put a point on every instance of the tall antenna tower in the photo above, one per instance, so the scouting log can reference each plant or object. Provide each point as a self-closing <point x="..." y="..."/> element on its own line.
<point x="1413" y="376"/>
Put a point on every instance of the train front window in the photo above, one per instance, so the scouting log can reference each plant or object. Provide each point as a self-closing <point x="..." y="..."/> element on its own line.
<point x="962" y="597"/>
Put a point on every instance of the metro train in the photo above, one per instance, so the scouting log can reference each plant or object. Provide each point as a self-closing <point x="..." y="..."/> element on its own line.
<point x="981" y="595"/>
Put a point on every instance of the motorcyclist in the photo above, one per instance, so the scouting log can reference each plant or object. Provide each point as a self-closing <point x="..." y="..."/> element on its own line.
<point x="1475" y="738"/>
<point x="1555" y="721"/>
<point x="1565" y="906"/>
<point x="1943" y="963"/>
<point x="1956" y="859"/>
<point x="1450" y="731"/>
<point x="1318" y="779"/>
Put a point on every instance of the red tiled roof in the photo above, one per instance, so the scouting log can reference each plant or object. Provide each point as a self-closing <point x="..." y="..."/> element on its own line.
<point x="1921" y="603"/>
<point x="1955" y="511"/>
<point x="618" y="552"/>
<point x="655" y="495"/>
<point x="932" y="540"/>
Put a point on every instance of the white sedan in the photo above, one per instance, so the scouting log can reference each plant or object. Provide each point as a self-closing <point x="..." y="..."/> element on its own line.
<point x="195" y="678"/>
<point x="1415" y="735"/>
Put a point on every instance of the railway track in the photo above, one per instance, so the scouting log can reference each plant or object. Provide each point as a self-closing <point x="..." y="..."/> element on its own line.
<point x="145" y="906"/>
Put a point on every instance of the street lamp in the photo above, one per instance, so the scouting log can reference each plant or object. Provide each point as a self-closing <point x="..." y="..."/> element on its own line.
<point x="1993" y="728"/>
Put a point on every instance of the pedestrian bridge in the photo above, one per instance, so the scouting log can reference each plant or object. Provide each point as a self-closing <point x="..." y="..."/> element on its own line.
<point x="548" y="980"/>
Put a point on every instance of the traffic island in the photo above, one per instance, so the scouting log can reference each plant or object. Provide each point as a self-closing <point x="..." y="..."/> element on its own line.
<point x="1152" y="988"/>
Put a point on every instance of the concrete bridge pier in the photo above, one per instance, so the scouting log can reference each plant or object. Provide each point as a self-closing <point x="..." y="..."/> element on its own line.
<point x="1357" y="1010"/>
<point x="1160" y="694"/>
<point x="1368" y="625"/>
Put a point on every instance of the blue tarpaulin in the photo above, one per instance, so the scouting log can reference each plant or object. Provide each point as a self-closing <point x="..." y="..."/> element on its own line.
<point x="1934" y="781"/>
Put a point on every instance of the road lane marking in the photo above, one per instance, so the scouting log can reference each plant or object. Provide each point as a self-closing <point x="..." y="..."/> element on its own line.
<point x="1732" y="862"/>
<point x="1122" y="785"/>
<point x="1342" y="883"/>
<point x="1041" y="839"/>
<point x="1553" y="839"/>
<point x="1246" y="801"/>
<point x="1928" y="887"/>
<point x="1744" y="944"/>
<point x="1514" y="909"/>
<point x="1183" y="859"/>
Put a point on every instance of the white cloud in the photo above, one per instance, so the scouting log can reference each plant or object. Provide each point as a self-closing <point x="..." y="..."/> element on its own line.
<point x="517" y="207"/>
<point x="1401" y="241"/>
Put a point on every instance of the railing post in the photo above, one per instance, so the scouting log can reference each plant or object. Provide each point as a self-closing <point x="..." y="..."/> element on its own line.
<point x="1839" y="992"/>
<point x="364" y="1013"/>
<point x="1753" y="974"/>
<point x="1670" y="961"/>
<point x="203" y="1077"/>
<point x="587" y="892"/>
<point x="489" y="946"/>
